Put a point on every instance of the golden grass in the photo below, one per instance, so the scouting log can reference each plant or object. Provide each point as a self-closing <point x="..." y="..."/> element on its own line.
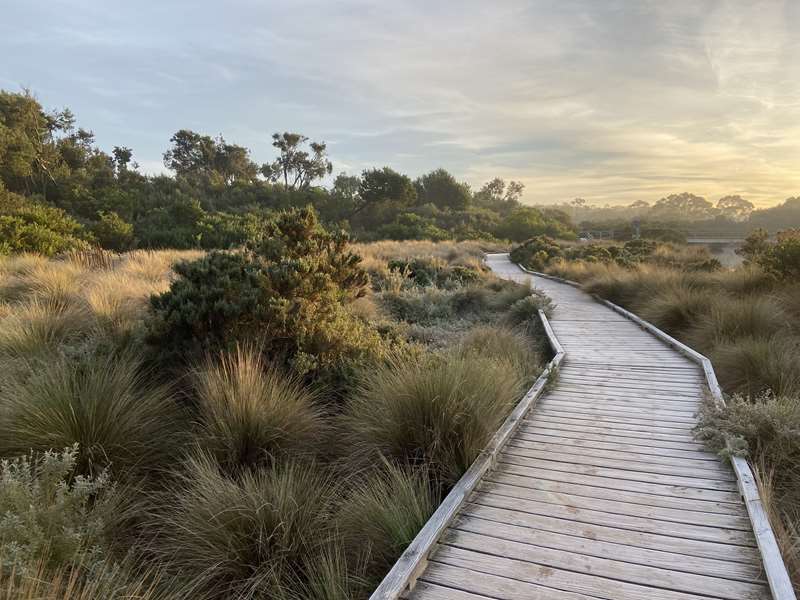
<point x="47" y="302"/>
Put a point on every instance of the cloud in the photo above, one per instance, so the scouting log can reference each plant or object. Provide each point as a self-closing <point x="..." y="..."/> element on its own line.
<point x="612" y="101"/>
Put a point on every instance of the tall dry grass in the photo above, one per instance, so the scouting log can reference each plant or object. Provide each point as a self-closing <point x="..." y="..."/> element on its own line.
<point x="438" y="411"/>
<point x="107" y="405"/>
<point x="250" y="414"/>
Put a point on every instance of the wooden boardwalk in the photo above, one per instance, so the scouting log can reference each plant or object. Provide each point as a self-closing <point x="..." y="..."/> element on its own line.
<point x="602" y="491"/>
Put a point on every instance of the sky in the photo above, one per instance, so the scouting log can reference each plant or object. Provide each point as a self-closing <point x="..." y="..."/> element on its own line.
<point x="613" y="101"/>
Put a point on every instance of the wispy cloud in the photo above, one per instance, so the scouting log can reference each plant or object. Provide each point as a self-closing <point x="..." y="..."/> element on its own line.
<point x="613" y="101"/>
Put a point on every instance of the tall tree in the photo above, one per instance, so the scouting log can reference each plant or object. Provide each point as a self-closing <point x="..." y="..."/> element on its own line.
<point x="203" y="159"/>
<point x="384" y="186"/>
<point x="441" y="189"/>
<point x="297" y="168"/>
<point x="735" y="208"/>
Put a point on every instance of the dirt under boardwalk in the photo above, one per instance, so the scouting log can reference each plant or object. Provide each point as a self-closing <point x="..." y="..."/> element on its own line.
<point x="602" y="492"/>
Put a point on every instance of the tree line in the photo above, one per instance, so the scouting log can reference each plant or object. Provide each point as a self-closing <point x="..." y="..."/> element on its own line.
<point x="59" y="191"/>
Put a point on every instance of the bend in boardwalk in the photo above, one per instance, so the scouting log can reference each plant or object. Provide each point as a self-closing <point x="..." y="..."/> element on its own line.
<point x="602" y="492"/>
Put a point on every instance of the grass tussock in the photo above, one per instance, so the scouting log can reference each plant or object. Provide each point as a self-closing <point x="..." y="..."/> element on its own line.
<point x="439" y="412"/>
<point x="250" y="414"/>
<point x="247" y="537"/>
<point x="382" y="514"/>
<point x="106" y="405"/>
<point x="514" y="347"/>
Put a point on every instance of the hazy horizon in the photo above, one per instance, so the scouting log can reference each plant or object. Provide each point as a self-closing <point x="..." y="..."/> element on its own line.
<point x="613" y="102"/>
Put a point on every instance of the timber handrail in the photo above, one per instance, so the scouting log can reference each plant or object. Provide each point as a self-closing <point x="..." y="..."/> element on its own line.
<point x="412" y="562"/>
<point x="780" y="583"/>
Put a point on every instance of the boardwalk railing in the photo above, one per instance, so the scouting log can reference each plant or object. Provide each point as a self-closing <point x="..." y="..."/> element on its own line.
<point x="777" y="576"/>
<point x="412" y="562"/>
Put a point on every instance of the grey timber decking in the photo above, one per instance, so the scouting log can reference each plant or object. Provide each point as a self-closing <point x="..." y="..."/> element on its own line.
<point x="602" y="491"/>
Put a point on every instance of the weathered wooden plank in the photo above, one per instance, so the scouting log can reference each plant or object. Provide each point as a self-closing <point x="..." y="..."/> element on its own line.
<point x="595" y="479"/>
<point x="626" y="446"/>
<point x="634" y="497"/>
<point x="657" y="513"/>
<point x="687" y="531"/>
<point x="570" y="581"/>
<point x="574" y="562"/>
<point x="564" y="463"/>
<point x="711" y="466"/>
<point x="646" y="442"/>
<point x="618" y="551"/>
<point x="491" y="586"/>
<point x="639" y="539"/>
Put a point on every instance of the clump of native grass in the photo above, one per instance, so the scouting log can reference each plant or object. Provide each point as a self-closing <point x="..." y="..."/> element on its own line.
<point x="382" y="514"/>
<point x="439" y="411"/>
<point x="513" y="346"/>
<point x="106" y="404"/>
<point x="257" y="535"/>
<point x="250" y="414"/>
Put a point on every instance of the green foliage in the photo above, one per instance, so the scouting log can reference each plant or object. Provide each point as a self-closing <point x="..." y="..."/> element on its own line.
<point x="537" y="252"/>
<point x="114" y="233"/>
<point x="442" y="190"/>
<point x="410" y="226"/>
<point x="285" y="295"/>
<point x="49" y="516"/>
<point x="107" y="405"/>
<point x="783" y="258"/>
<point x="765" y="428"/>
<point x="27" y="226"/>
<point x="526" y="222"/>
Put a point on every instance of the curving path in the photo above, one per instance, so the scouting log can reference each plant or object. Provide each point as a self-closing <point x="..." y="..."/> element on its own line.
<point x="602" y="492"/>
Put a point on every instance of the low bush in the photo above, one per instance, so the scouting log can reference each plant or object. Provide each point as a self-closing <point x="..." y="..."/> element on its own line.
<point x="439" y="411"/>
<point x="250" y="414"/>
<point x="525" y="311"/>
<point x="50" y="517"/>
<point x="105" y="404"/>
<point x="286" y="296"/>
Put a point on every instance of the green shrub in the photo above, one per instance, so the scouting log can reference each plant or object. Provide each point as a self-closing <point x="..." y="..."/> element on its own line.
<point x="249" y="537"/>
<point x="418" y="306"/>
<point x="28" y="226"/>
<point x="537" y="252"/>
<point x="439" y="411"/>
<point x="783" y="258"/>
<point x="383" y="513"/>
<point x="105" y="404"/>
<point x="250" y="414"/>
<point x="286" y="296"/>
<point x="525" y="311"/>
<point x="50" y="517"/>
<point x="112" y="232"/>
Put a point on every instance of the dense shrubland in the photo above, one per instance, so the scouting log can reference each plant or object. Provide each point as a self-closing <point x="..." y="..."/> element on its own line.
<point x="746" y="320"/>
<point x="275" y="421"/>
